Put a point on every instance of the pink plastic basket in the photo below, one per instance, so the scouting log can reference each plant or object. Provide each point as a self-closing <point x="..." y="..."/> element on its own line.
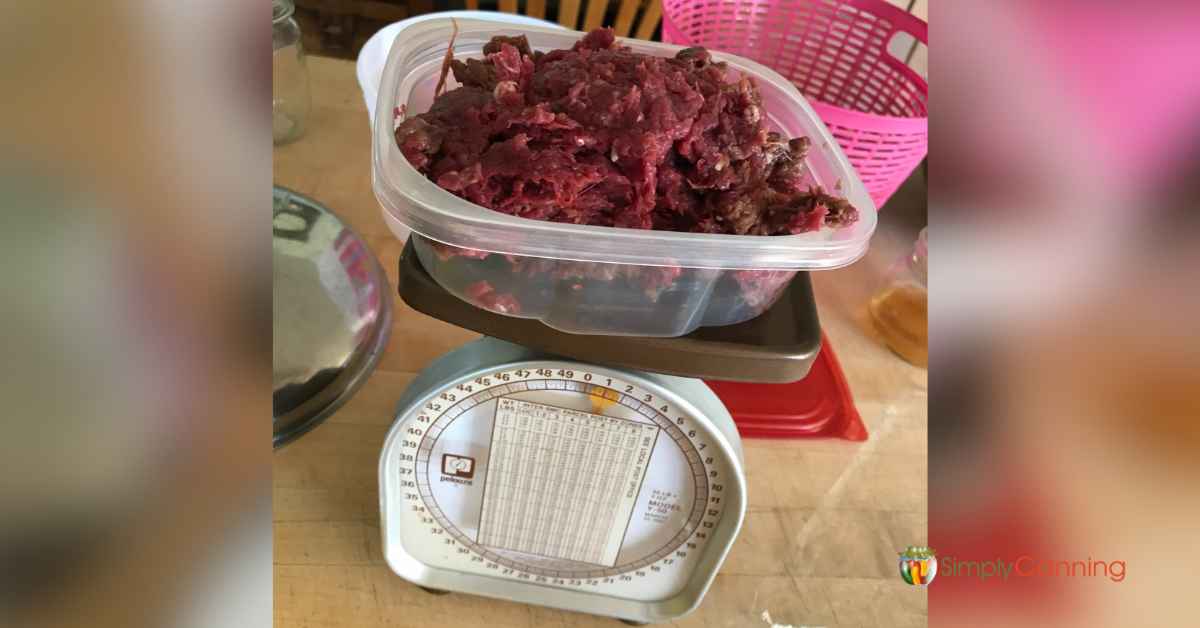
<point x="836" y="52"/>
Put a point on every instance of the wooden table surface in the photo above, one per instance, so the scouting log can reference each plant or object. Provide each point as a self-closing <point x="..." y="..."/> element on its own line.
<point x="826" y="517"/>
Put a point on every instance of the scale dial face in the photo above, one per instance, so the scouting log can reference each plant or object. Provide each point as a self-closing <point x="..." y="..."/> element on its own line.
<point x="560" y="475"/>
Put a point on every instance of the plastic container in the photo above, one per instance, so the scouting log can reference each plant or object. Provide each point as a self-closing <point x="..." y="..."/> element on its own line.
<point x="700" y="271"/>
<point x="840" y="54"/>
<point x="778" y="347"/>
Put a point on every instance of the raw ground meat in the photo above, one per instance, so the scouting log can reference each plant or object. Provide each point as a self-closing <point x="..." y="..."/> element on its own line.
<point x="619" y="139"/>
<point x="601" y="135"/>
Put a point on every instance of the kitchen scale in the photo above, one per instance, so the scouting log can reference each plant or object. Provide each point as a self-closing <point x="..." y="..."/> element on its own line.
<point x="595" y="474"/>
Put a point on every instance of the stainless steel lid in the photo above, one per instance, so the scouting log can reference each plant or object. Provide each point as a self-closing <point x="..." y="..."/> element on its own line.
<point x="332" y="313"/>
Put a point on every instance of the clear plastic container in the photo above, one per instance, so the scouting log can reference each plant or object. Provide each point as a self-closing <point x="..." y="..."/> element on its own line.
<point x="290" y="97"/>
<point x="590" y="279"/>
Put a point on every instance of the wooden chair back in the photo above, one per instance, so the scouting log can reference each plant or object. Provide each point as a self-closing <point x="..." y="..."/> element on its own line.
<point x="649" y="11"/>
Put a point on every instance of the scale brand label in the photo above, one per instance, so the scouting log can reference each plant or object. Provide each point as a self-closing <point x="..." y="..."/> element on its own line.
<point x="458" y="466"/>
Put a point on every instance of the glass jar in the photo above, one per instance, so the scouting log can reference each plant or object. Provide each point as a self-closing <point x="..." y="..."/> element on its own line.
<point x="290" y="99"/>
<point x="900" y="310"/>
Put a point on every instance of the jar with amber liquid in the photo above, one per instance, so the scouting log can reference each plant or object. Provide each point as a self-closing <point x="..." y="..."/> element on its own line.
<point x="900" y="310"/>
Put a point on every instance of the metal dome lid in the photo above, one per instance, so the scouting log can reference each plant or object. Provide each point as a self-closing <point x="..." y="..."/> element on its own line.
<point x="332" y="313"/>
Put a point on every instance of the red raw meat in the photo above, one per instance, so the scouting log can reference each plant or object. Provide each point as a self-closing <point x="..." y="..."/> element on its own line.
<point x="600" y="135"/>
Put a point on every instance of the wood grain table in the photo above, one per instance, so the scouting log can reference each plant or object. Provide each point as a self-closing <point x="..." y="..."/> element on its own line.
<point x="826" y="517"/>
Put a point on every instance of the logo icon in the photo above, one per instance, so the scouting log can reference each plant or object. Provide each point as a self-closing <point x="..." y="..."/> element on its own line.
<point x="458" y="466"/>
<point x="918" y="565"/>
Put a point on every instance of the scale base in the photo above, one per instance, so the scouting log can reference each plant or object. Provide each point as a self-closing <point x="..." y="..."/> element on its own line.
<point x="627" y="622"/>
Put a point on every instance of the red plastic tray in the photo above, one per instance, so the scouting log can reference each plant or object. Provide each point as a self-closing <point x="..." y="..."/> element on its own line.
<point x="818" y="406"/>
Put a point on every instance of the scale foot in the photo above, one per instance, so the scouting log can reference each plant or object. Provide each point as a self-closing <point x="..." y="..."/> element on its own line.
<point x="630" y="622"/>
<point x="433" y="591"/>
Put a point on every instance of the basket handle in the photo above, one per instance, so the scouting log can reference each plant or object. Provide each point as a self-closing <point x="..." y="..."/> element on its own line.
<point x="900" y="19"/>
<point x="902" y="22"/>
<point x="909" y="23"/>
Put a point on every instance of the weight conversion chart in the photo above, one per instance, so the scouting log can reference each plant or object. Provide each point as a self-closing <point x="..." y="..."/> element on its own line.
<point x="562" y="483"/>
